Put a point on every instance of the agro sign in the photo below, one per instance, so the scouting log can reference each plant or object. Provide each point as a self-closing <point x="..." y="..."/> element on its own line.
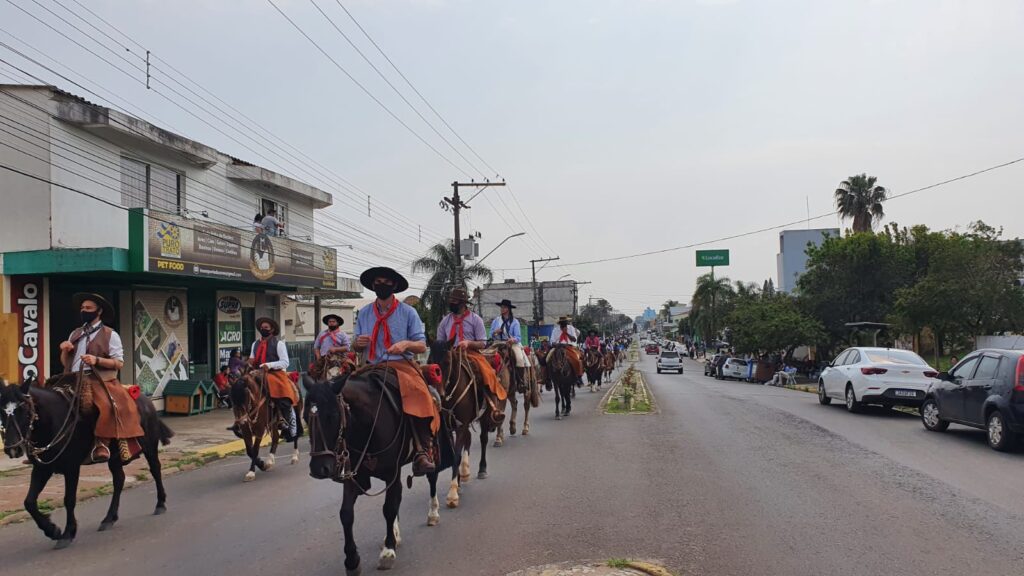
<point x="27" y="303"/>
<point x="229" y="334"/>
<point x="712" y="257"/>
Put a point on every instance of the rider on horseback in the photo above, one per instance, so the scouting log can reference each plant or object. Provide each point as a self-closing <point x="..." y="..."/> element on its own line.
<point x="331" y="340"/>
<point x="392" y="333"/>
<point x="96" y="349"/>
<point x="465" y="329"/>
<point x="271" y="354"/>
<point x="564" y="335"/>
<point x="506" y="327"/>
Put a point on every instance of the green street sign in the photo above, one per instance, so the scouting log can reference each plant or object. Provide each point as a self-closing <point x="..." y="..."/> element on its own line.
<point x="712" y="257"/>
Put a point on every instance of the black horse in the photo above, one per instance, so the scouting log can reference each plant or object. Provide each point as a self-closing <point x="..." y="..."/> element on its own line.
<point x="48" y="425"/>
<point x="357" y="431"/>
<point x="561" y="374"/>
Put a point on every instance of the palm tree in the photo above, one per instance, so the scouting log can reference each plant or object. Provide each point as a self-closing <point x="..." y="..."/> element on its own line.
<point x="709" y="297"/>
<point x="445" y="275"/>
<point x="860" y="199"/>
<point x="666" y="308"/>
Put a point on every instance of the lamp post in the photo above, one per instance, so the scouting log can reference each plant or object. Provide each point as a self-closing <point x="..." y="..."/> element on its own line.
<point x="517" y="234"/>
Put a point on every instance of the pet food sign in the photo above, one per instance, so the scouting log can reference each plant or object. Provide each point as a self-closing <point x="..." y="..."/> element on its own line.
<point x="177" y="245"/>
<point x="27" y="305"/>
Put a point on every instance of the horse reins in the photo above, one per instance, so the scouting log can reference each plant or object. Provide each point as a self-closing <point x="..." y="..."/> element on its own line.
<point x="64" y="434"/>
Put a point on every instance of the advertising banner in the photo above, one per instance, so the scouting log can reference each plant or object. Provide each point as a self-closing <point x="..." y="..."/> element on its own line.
<point x="27" y="305"/>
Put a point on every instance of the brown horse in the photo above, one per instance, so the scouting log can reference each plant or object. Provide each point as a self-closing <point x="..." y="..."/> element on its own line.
<point x="255" y="415"/>
<point x="53" y="425"/>
<point x="593" y="365"/>
<point x="609" y="365"/>
<point x="560" y="373"/>
<point x="327" y="367"/>
<point x="528" y="385"/>
<point x="463" y="402"/>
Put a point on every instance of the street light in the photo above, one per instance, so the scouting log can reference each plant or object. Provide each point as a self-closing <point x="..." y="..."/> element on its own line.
<point x="563" y="276"/>
<point x="499" y="246"/>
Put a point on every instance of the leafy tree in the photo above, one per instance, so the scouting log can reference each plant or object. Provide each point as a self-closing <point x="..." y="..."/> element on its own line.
<point x="710" y="303"/>
<point x="440" y="263"/>
<point x="769" y="324"/>
<point x="666" y="308"/>
<point x="860" y="199"/>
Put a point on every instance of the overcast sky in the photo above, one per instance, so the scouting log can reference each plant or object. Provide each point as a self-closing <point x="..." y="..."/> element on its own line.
<point x="621" y="126"/>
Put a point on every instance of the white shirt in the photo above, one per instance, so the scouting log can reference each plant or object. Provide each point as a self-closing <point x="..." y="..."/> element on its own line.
<point x="116" y="348"/>
<point x="282" y="355"/>
<point x="556" y="333"/>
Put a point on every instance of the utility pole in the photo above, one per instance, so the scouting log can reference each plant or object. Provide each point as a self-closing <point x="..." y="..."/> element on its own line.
<point x="456" y="205"/>
<point x="537" y="316"/>
<point x="576" y="297"/>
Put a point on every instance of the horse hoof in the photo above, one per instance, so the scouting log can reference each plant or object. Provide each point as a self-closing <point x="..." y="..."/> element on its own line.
<point x="481" y="475"/>
<point x="160" y="510"/>
<point x="104" y="526"/>
<point x="558" y="416"/>
<point x="356" y="572"/>
<point x="526" y="431"/>
<point x="452" y="503"/>
<point x="249" y="476"/>
<point x="387" y="559"/>
<point x="295" y="459"/>
<point x="271" y="460"/>
<point x="463" y="480"/>
<point x="62" y="544"/>
<point x="498" y="443"/>
<point x="433" y="519"/>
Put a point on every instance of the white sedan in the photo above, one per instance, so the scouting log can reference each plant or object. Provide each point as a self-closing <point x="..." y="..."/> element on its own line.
<point x="884" y="376"/>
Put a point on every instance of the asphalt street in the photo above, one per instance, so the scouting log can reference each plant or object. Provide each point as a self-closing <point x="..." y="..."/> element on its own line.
<point x="728" y="478"/>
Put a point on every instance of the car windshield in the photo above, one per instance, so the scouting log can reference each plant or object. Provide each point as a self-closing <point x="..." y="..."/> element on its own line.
<point x="894" y="357"/>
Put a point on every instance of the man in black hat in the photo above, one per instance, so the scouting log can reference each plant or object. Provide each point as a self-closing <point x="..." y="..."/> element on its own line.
<point x="271" y="354"/>
<point x="96" y="350"/>
<point x="331" y="340"/>
<point x="506" y="327"/>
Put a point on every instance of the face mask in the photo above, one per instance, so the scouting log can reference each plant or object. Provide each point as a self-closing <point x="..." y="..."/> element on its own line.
<point x="563" y="324"/>
<point x="265" y="332"/>
<point x="454" y="308"/>
<point x="383" y="291"/>
<point x="332" y="328"/>
<point x="88" y="317"/>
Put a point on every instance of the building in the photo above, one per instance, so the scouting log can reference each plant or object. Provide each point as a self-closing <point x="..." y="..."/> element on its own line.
<point x="554" y="299"/>
<point x="791" y="261"/>
<point x="301" y="317"/>
<point x="160" y="225"/>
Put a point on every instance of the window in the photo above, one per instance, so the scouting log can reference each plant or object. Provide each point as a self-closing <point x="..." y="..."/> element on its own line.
<point x="838" y="361"/>
<point x="150" y="186"/>
<point x="895" y="357"/>
<point x="853" y="358"/>
<point x="266" y="205"/>
<point x="987" y="368"/>
<point x="965" y="369"/>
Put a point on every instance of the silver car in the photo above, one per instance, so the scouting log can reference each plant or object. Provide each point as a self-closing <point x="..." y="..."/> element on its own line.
<point x="669" y="360"/>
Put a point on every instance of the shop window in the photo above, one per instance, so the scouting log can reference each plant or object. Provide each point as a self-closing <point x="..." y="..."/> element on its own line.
<point x="150" y="186"/>
<point x="266" y="205"/>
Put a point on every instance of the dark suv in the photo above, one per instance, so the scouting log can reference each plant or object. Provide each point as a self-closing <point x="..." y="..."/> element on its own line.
<point x="985" y="390"/>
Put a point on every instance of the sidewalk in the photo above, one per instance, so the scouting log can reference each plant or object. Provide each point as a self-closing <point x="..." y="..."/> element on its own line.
<point x="197" y="440"/>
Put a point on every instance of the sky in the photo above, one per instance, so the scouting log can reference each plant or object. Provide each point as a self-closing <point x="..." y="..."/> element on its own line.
<point x="620" y="126"/>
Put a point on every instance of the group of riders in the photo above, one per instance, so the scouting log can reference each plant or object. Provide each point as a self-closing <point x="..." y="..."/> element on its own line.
<point x="389" y="334"/>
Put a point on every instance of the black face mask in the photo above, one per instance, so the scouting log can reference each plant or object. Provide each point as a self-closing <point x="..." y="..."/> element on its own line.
<point x="563" y="324"/>
<point x="454" y="308"/>
<point x="383" y="291"/>
<point x="88" y="317"/>
<point x="266" y="332"/>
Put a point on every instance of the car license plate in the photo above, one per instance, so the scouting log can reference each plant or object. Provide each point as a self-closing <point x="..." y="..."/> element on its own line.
<point x="908" y="393"/>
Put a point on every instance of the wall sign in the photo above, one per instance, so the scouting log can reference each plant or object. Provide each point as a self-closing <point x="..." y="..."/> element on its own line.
<point x="229" y="305"/>
<point x="27" y="303"/>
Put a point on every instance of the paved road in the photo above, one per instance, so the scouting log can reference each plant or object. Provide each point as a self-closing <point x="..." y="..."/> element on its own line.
<point x="728" y="478"/>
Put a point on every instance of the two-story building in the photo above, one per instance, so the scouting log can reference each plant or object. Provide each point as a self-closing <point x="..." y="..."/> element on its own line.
<point x="162" y="226"/>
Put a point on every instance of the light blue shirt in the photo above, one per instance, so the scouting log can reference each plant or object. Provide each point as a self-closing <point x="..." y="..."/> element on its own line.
<point x="404" y="323"/>
<point x="513" y="331"/>
<point x="326" y="340"/>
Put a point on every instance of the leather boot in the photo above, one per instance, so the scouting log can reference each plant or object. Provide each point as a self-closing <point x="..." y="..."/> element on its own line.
<point x="423" y="462"/>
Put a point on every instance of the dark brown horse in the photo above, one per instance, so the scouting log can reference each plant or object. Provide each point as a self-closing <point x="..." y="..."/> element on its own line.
<point x="562" y="378"/>
<point x="53" y="425"/>
<point x="593" y="365"/>
<point x="357" y="431"/>
<point x="528" y="385"/>
<point x="609" y="366"/>
<point x="255" y="415"/>
<point x="463" y="402"/>
<point x="328" y="367"/>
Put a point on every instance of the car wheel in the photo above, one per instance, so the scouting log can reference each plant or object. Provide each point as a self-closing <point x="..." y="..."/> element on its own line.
<point x="852" y="405"/>
<point x="930" y="416"/>
<point x="659" y="370"/>
<point x="1000" y="437"/>
<point x="823" y="398"/>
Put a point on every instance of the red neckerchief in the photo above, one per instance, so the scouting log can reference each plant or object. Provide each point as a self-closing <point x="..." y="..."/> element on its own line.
<point x="381" y="325"/>
<point x="261" y="352"/>
<point x="334" y="338"/>
<point x="458" y="327"/>
<point x="564" y="337"/>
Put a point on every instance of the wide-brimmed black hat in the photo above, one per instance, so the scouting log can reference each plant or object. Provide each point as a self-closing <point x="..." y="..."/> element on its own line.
<point x="101" y="302"/>
<point x="506" y="303"/>
<point x="274" y="327"/>
<point x="335" y="316"/>
<point x="367" y="278"/>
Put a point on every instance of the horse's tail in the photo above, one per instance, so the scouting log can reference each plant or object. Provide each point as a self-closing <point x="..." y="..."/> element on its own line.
<point x="164" y="432"/>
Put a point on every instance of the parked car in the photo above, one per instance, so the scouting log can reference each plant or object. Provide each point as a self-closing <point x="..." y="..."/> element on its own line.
<point x="670" y="360"/>
<point x="883" y="376"/>
<point x="710" y="364"/>
<point x="651" y="349"/>
<point x="985" y="390"/>
<point x="735" y="368"/>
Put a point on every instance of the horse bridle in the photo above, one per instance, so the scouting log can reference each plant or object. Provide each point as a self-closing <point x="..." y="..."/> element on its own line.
<point x="64" y="434"/>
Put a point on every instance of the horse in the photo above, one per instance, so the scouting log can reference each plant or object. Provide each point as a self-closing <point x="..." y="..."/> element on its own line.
<point x="609" y="365"/>
<point x="255" y="415"/>
<point x="593" y="365"/>
<point x="620" y="357"/>
<point x="463" y="402"/>
<point x="528" y="386"/>
<point x="328" y="366"/>
<point x="357" y="431"/>
<point x="54" y="428"/>
<point x="562" y="376"/>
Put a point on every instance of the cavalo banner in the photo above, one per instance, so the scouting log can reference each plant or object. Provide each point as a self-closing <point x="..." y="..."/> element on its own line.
<point x="172" y="244"/>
